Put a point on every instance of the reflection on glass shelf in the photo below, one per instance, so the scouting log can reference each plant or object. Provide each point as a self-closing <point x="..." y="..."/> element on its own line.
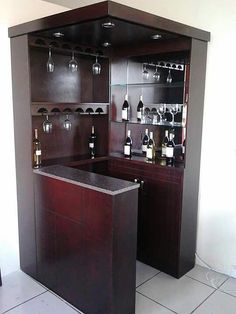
<point x="163" y="123"/>
<point x="163" y="85"/>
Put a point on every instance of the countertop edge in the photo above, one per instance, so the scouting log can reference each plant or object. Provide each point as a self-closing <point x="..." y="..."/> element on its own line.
<point x="91" y="187"/>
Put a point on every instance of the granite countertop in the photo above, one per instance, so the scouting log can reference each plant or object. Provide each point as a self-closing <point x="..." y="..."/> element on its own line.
<point x="87" y="179"/>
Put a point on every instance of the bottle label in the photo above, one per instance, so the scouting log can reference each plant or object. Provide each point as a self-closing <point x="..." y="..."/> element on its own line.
<point x="149" y="153"/>
<point x="38" y="152"/>
<point x="139" y="116"/>
<point x="163" y="151"/>
<point x="127" y="150"/>
<point x="144" y="148"/>
<point x="124" y="114"/>
<point x="91" y="145"/>
<point x="169" y="152"/>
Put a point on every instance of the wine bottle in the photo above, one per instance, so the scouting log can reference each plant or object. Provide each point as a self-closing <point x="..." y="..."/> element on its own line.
<point x="164" y="144"/>
<point x="125" y="109"/>
<point x="170" y="150"/>
<point x="36" y="150"/>
<point x="140" y="109"/>
<point x="183" y="149"/>
<point x="92" y="143"/>
<point x="128" y="145"/>
<point x="151" y="148"/>
<point x="145" y="142"/>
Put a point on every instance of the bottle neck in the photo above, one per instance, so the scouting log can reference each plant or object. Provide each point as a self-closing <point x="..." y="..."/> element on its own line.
<point x="141" y="98"/>
<point x="36" y="134"/>
<point x="92" y="129"/>
<point x="151" y="135"/>
<point x="146" y="131"/>
<point x="129" y="133"/>
<point x="126" y="97"/>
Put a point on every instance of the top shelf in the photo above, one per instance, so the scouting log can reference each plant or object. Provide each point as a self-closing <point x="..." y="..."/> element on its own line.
<point x="160" y="85"/>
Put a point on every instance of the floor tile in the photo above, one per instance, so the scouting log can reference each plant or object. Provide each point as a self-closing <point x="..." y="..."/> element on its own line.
<point x="147" y="306"/>
<point x="180" y="295"/>
<point x="17" y="288"/>
<point x="218" y="303"/>
<point x="207" y="276"/>
<point x="46" y="303"/>
<point x="144" y="272"/>
<point x="229" y="287"/>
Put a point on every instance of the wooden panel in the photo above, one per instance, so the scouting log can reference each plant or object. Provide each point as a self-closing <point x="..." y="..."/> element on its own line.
<point x="63" y="143"/>
<point x="193" y="153"/>
<point x="23" y="140"/>
<point x="88" y="241"/>
<point x="103" y="9"/>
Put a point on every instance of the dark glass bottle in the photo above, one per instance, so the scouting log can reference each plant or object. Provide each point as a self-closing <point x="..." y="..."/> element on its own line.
<point x="128" y="145"/>
<point x="92" y="143"/>
<point x="140" y="109"/>
<point x="170" y="150"/>
<point x="164" y="144"/>
<point x="36" y="150"/>
<point x="151" y="148"/>
<point x="145" y="142"/>
<point x="125" y="109"/>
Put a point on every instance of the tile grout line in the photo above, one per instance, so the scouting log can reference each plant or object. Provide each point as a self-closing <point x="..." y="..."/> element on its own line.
<point x="156" y="302"/>
<point x="23" y="302"/>
<point x="201" y="282"/>
<point x="67" y="303"/>
<point x="223" y="282"/>
<point x="203" y="301"/>
<point x="227" y="293"/>
<point x="147" y="280"/>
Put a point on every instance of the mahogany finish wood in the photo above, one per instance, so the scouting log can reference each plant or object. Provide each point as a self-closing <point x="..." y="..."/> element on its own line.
<point x="108" y="9"/>
<point x="87" y="253"/>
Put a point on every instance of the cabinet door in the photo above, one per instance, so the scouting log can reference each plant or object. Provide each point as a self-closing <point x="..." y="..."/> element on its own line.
<point x="160" y="225"/>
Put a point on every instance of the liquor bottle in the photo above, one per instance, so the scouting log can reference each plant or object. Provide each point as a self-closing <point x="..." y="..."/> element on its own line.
<point x="151" y="148"/>
<point x="164" y="144"/>
<point x="92" y="143"/>
<point x="170" y="150"/>
<point x="145" y="142"/>
<point x="140" y="109"/>
<point x="128" y="145"/>
<point x="125" y="109"/>
<point x="36" y="150"/>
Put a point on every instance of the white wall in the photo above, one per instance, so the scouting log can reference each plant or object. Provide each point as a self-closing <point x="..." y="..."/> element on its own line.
<point x="217" y="206"/>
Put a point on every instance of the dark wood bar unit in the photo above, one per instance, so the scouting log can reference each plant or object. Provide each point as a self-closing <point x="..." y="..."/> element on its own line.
<point x="82" y="252"/>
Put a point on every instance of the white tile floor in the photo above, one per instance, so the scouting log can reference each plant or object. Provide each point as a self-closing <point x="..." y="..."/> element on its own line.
<point x="200" y="291"/>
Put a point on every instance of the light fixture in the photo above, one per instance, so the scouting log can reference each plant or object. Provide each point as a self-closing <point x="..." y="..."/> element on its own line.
<point x="106" y="44"/>
<point x="108" y="25"/>
<point x="156" y="36"/>
<point x="58" y="34"/>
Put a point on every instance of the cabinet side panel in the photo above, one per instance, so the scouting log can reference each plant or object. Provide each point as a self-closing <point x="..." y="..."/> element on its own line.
<point x="125" y="213"/>
<point x="193" y="155"/>
<point x="23" y="138"/>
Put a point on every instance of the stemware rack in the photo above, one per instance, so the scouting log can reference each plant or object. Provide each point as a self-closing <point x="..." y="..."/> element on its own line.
<point x="46" y="108"/>
<point x="63" y="47"/>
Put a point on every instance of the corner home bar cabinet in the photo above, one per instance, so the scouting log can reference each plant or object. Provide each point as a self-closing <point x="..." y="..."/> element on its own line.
<point x="82" y="221"/>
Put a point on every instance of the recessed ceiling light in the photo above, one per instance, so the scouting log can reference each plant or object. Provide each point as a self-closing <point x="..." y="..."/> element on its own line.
<point x="106" y="44"/>
<point x="58" y="34"/>
<point x="108" y="25"/>
<point x="156" y="36"/>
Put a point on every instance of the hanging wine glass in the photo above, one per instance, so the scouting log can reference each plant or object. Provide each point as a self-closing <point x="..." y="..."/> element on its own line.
<point x="73" y="64"/>
<point x="47" y="125"/>
<point x="157" y="75"/>
<point x="50" y="63"/>
<point x="169" y="78"/>
<point x="96" y="67"/>
<point x="67" y="123"/>
<point x="145" y="72"/>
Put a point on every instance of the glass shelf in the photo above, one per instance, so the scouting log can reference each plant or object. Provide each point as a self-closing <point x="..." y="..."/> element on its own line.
<point x="160" y="85"/>
<point x="164" y="123"/>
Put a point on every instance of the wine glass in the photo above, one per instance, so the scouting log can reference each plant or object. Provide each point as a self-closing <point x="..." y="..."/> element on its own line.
<point x="161" y="110"/>
<point x="169" y="78"/>
<point x="73" y="64"/>
<point x="156" y="75"/>
<point x="67" y="123"/>
<point x="50" y="63"/>
<point x="96" y="67"/>
<point x="47" y="125"/>
<point x="174" y="109"/>
<point x="145" y="72"/>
